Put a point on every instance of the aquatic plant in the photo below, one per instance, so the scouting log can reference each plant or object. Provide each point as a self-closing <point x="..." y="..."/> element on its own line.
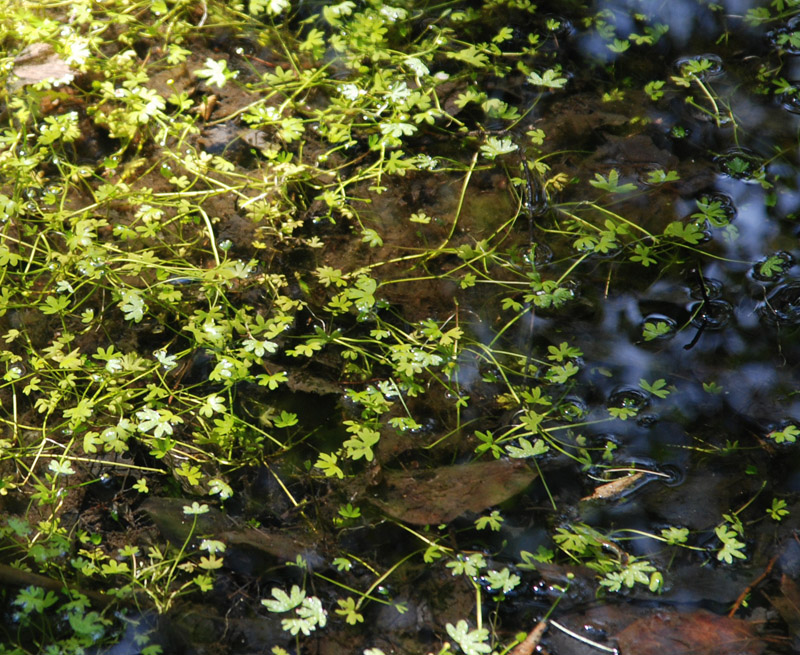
<point x="210" y="209"/>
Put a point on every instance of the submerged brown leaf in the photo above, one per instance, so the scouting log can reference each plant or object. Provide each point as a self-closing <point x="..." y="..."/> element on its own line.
<point x="788" y="603"/>
<point x="689" y="633"/>
<point x="173" y="523"/>
<point x="617" y="488"/>
<point x="442" y="494"/>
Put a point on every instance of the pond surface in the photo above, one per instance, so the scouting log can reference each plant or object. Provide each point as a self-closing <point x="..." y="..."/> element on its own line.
<point x="401" y="329"/>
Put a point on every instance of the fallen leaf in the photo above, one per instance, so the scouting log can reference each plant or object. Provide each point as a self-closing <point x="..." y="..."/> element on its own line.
<point x="442" y="494"/>
<point x="172" y="522"/>
<point x="689" y="633"/>
<point x="617" y="487"/>
<point x="37" y="63"/>
<point x="788" y="603"/>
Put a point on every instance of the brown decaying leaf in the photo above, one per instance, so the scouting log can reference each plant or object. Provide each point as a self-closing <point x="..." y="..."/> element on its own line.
<point x="39" y="62"/>
<point x="616" y="488"/>
<point x="689" y="633"/>
<point x="788" y="603"/>
<point x="442" y="494"/>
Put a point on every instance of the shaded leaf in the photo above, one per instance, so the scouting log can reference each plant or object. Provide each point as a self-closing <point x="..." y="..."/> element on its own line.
<point x="685" y="633"/>
<point x="788" y="603"/>
<point x="442" y="494"/>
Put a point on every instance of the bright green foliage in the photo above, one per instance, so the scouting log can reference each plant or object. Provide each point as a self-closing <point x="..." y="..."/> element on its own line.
<point x="308" y="610"/>
<point x="361" y="443"/>
<point x="655" y="330"/>
<point x="731" y="547"/>
<point x="788" y="434"/>
<point x="674" y="535"/>
<point x="713" y="211"/>
<point x="468" y="565"/>
<point x="283" y="602"/>
<point x="527" y="449"/>
<point x="494" y="521"/>
<point x="778" y="510"/>
<point x="690" y="232"/>
<point x="502" y="581"/>
<point x="611" y="183"/>
<point x="634" y="571"/>
<point x="347" y="609"/>
<point x="657" y="388"/>
<point x="472" y="642"/>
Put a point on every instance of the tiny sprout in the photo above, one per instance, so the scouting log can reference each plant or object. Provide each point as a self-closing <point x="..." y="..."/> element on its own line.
<point x="778" y="510"/>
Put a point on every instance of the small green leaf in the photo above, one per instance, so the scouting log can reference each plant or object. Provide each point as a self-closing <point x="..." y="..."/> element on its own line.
<point x="472" y="642"/>
<point x="283" y="602"/>
<point x="494" y="147"/>
<point x="611" y="183"/>
<point x="54" y="304"/>
<point x="658" y="388"/>
<point x="656" y="330"/>
<point x="195" y="509"/>
<point x="347" y="609"/>
<point x="527" y="449"/>
<point x="216" y="72"/>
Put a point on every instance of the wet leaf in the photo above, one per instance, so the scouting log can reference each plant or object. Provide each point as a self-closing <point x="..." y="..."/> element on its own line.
<point x="441" y="495"/>
<point x="168" y="515"/>
<point x="689" y="633"/>
<point x="617" y="488"/>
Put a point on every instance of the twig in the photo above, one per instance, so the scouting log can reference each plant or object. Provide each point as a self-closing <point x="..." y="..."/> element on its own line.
<point x="752" y="586"/>
<point x="530" y="642"/>
<point x="584" y="640"/>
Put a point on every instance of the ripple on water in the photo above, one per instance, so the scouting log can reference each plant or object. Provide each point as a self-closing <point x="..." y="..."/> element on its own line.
<point x="717" y="208"/>
<point x="740" y="164"/>
<point x="782" y="37"/>
<point x="664" y="327"/>
<point x="702" y="67"/>
<point x="782" y="306"/>
<point x="772" y="268"/>
<point x="713" y="289"/>
<point x="627" y="397"/>
<point x="712" y="315"/>
<point x="573" y="408"/>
